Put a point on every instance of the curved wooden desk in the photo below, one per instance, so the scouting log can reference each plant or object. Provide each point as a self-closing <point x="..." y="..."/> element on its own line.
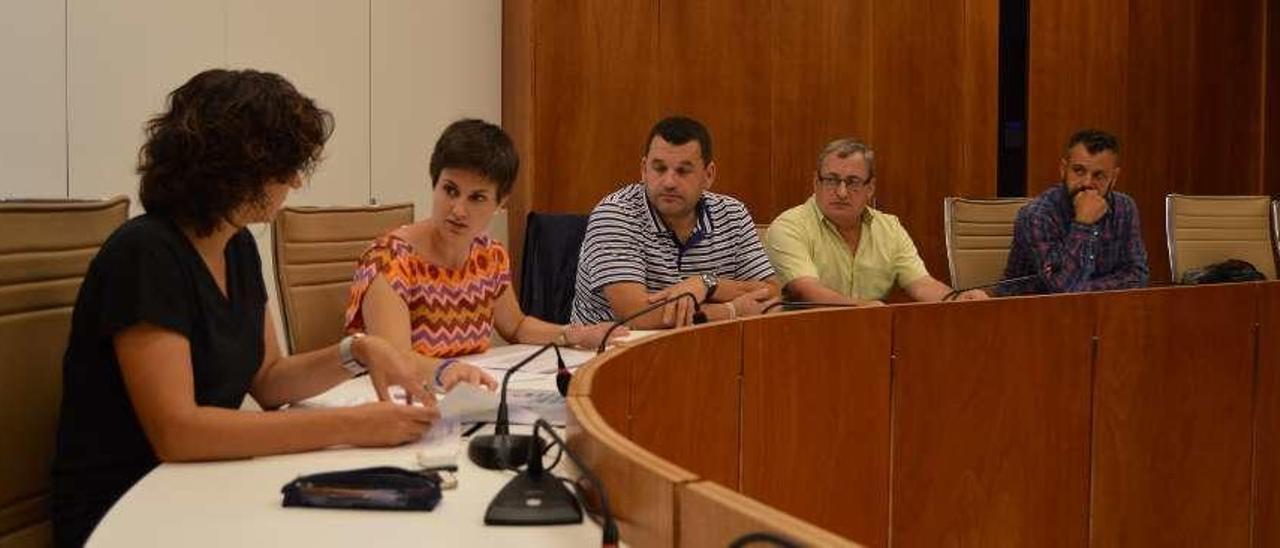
<point x="1147" y="417"/>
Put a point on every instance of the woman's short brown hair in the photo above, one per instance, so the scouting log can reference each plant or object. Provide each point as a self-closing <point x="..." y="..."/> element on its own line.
<point x="225" y="136"/>
<point x="479" y="147"/>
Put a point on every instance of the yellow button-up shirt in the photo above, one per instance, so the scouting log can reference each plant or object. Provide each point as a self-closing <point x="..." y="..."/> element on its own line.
<point x="802" y="242"/>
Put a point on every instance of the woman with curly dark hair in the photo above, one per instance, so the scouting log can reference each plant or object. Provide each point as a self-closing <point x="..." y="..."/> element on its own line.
<point x="170" y="329"/>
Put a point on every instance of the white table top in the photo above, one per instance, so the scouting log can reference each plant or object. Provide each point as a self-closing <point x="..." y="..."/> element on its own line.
<point x="238" y="503"/>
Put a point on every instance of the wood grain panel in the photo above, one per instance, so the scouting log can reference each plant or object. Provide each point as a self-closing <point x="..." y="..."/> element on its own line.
<point x="980" y="109"/>
<point x="1156" y="153"/>
<point x="1226" y="120"/>
<point x="685" y="398"/>
<point x="991" y="422"/>
<point x="1077" y="78"/>
<point x="924" y="76"/>
<point x="1172" y="417"/>
<point x="713" y="66"/>
<point x="1266" y="423"/>
<point x="712" y="515"/>
<point x="821" y="89"/>
<point x="641" y="486"/>
<point x="595" y="92"/>
<point x="1271" y="139"/>
<point x="815" y="427"/>
<point x="518" y="110"/>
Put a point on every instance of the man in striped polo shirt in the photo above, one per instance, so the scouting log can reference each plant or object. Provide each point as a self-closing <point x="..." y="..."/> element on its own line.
<point x="666" y="235"/>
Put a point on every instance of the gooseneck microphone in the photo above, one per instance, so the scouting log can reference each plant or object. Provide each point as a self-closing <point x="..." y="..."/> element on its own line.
<point x="1048" y="269"/>
<point x="998" y="283"/>
<point x="563" y="376"/>
<point x="502" y="449"/>
<point x="796" y="305"/>
<point x="696" y="308"/>
<point x="538" y="497"/>
<point x="757" y="537"/>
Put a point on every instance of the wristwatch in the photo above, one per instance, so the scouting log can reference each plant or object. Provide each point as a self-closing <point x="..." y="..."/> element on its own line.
<point x="709" y="280"/>
<point x="349" y="361"/>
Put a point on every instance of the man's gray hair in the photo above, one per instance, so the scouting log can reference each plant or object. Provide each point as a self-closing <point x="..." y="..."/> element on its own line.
<point x="845" y="147"/>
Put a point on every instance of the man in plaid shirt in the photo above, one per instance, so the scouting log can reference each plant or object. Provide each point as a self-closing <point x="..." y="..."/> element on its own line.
<point x="1079" y="235"/>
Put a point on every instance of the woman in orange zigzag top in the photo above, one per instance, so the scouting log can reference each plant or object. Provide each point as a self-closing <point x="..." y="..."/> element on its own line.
<point x="441" y="285"/>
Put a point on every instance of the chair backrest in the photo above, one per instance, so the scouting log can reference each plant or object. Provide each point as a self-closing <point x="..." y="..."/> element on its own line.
<point x="1275" y="230"/>
<point x="45" y="250"/>
<point x="1202" y="230"/>
<point x="979" y="233"/>
<point x="315" y="251"/>
<point x="549" y="264"/>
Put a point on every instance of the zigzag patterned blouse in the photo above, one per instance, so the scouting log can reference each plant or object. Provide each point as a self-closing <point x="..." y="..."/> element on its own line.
<point x="450" y="311"/>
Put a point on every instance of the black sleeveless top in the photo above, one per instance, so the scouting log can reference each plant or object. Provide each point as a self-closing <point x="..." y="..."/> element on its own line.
<point x="146" y="272"/>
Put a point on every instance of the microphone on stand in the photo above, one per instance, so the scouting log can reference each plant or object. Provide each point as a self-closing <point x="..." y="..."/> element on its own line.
<point x="775" y="539"/>
<point x="538" y="497"/>
<point x="502" y="449"/>
<point x="1047" y="270"/>
<point x="697" y="310"/>
<point x="563" y="376"/>
<point x="797" y="305"/>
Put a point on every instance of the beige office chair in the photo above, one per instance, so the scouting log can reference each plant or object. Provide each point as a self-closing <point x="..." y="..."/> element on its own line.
<point x="1202" y="230"/>
<point x="1275" y="229"/>
<point x="45" y="249"/>
<point x="979" y="233"/>
<point x="315" y="250"/>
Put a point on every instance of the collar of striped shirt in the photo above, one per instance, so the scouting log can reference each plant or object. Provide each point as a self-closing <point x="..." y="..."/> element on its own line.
<point x="704" y="228"/>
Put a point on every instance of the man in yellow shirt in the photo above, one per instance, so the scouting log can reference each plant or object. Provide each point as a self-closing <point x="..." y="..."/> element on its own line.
<point x="835" y="248"/>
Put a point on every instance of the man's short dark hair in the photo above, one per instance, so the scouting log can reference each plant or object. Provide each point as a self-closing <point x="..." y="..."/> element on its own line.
<point x="679" y="130"/>
<point x="480" y="148"/>
<point x="225" y="136"/>
<point x="1094" y="141"/>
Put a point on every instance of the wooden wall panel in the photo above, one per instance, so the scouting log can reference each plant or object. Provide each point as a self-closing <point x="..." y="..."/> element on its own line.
<point x="928" y="90"/>
<point x="815" y="418"/>
<point x="518" y="109"/>
<point x="685" y="397"/>
<point x="595" y="91"/>
<point x="1172" y="417"/>
<point x="713" y="66"/>
<point x="1077" y="78"/>
<point x="1266" y="423"/>
<point x="1271" y="98"/>
<point x="1155" y="153"/>
<point x="991" y="423"/>
<point x="1226" y="97"/>
<point x="821" y="79"/>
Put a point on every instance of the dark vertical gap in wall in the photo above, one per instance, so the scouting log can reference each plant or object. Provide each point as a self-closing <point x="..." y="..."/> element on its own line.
<point x="1011" y="164"/>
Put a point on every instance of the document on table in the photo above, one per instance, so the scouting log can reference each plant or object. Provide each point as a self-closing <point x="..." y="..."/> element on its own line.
<point x="471" y="403"/>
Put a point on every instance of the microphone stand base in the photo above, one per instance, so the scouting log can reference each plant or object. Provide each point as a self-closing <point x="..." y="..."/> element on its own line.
<point x="533" y="500"/>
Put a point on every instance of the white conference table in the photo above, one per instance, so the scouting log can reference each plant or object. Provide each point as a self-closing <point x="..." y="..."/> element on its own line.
<point x="238" y="503"/>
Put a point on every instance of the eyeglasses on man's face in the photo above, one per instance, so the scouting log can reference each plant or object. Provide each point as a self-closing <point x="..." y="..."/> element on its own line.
<point x="833" y="182"/>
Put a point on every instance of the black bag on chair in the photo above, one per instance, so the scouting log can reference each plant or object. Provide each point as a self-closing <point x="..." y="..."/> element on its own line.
<point x="549" y="265"/>
<point x="1228" y="271"/>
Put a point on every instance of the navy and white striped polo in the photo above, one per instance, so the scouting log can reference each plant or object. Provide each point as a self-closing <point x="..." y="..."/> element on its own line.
<point x="627" y="241"/>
